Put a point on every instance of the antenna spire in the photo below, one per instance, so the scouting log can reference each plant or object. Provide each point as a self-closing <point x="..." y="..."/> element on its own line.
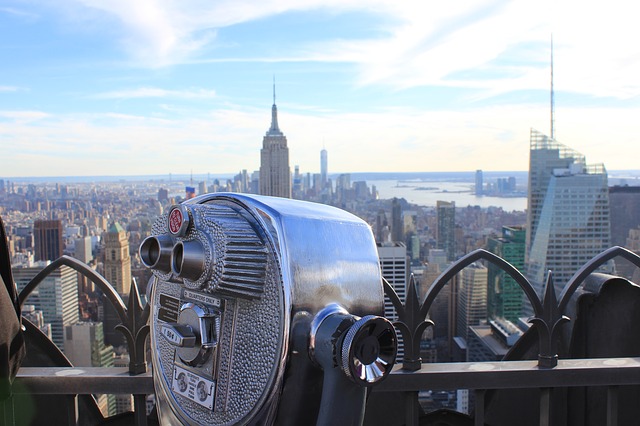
<point x="552" y="100"/>
<point x="274" y="130"/>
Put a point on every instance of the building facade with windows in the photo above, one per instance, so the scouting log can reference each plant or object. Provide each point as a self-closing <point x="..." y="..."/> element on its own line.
<point x="568" y="220"/>
<point x="56" y="297"/>
<point x="117" y="260"/>
<point x="504" y="295"/>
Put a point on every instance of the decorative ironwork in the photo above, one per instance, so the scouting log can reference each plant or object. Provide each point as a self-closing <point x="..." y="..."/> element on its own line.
<point x="591" y="266"/>
<point x="548" y="324"/>
<point x="548" y="313"/>
<point x="412" y="325"/>
<point x="134" y="318"/>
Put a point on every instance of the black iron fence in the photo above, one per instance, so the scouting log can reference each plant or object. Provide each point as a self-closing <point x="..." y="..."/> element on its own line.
<point x="544" y="375"/>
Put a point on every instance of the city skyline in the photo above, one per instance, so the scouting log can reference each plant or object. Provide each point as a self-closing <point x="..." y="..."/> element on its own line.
<point x="156" y="88"/>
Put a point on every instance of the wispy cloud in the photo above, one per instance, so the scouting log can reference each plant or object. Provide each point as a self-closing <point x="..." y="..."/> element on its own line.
<point x="24" y="116"/>
<point x="155" y="92"/>
<point x="18" y="12"/>
<point x="477" y="45"/>
<point x="9" y="89"/>
<point x="418" y="43"/>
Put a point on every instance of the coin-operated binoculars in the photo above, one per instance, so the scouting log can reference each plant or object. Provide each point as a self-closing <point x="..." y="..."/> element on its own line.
<point x="265" y="311"/>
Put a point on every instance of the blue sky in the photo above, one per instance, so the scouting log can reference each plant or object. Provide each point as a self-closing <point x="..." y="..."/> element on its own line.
<point x="120" y="87"/>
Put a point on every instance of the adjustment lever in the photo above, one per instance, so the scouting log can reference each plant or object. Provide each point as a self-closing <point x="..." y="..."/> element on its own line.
<point x="180" y="335"/>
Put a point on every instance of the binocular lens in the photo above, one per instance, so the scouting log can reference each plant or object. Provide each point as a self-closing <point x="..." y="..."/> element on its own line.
<point x="187" y="259"/>
<point x="155" y="252"/>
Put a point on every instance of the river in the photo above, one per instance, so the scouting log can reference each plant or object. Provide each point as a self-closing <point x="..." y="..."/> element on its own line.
<point x="427" y="193"/>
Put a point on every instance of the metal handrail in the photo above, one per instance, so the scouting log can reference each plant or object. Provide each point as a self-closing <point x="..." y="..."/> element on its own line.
<point x="548" y="312"/>
<point x="134" y="319"/>
<point x="81" y="381"/>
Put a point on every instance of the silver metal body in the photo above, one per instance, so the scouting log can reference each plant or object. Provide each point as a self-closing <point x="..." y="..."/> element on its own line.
<point x="269" y="265"/>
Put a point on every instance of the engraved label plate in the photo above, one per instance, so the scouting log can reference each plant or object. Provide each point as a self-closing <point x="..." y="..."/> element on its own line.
<point x="169" y="302"/>
<point x="169" y="308"/>
<point x="203" y="298"/>
<point x="191" y="386"/>
<point x="167" y="316"/>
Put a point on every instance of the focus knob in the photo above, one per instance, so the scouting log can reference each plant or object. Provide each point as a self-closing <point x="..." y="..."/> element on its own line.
<point x="369" y="350"/>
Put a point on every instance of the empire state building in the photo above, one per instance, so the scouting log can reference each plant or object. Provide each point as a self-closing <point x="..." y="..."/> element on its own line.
<point x="275" y="173"/>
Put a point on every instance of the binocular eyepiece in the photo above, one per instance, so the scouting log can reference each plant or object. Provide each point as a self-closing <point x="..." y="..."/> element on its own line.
<point x="265" y="310"/>
<point x="183" y="259"/>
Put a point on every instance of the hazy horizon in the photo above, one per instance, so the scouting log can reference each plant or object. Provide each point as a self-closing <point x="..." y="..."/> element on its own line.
<point x="613" y="174"/>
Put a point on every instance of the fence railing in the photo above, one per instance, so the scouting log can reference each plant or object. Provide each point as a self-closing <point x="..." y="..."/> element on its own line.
<point x="546" y="374"/>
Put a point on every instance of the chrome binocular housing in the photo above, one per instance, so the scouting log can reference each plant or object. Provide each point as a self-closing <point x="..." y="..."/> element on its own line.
<point x="265" y="310"/>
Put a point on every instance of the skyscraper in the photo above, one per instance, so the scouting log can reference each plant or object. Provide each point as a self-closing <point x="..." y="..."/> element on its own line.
<point x="472" y="299"/>
<point x="446" y="229"/>
<point x="625" y="216"/>
<point x="324" y="167"/>
<point x="83" y="249"/>
<point x="568" y="214"/>
<point x="117" y="261"/>
<point x="479" y="184"/>
<point x="393" y="265"/>
<point x="275" y="173"/>
<point x="56" y="296"/>
<point x="84" y="346"/>
<point x="382" y="227"/>
<point x="397" y="228"/>
<point x="48" y="239"/>
<point x="625" y="212"/>
<point x="504" y="295"/>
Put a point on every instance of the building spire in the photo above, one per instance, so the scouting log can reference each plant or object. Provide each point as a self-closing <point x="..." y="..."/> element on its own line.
<point x="274" y="130"/>
<point x="552" y="100"/>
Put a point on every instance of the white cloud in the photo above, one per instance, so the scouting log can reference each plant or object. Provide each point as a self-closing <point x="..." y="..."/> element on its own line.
<point x="9" y="89"/>
<point x="165" y="32"/>
<point x="418" y="43"/>
<point x="18" y="12"/>
<point x="24" y="116"/>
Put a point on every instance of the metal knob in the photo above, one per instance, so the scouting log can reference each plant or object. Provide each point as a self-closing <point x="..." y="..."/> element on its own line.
<point x="195" y="335"/>
<point x="179" y="335"/>
<point x="369" y="350"/>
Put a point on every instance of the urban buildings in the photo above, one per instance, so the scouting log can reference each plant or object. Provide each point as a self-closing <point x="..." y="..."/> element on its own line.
<point x="48" y="239"/>
<point x="275" y="173"/>
<point x="472" y="299"/>
<point x="504" y="295"/>
<point x="393" y="265"/>
<point x="84" y="346"/>
<point x="446" y="230"/>
<point x="479" y="186"/>
<point x="568" y="216"/>
<point x="117" y="261"/>
<point x="624" y="202"/>
<point x="83" y="250"/>
<point x="56" y="297"/>
<point x="324" y="167"/>
<point x="625" y="212"/>
<point x="397" y="226"/>
<point x="492" y="341"/>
